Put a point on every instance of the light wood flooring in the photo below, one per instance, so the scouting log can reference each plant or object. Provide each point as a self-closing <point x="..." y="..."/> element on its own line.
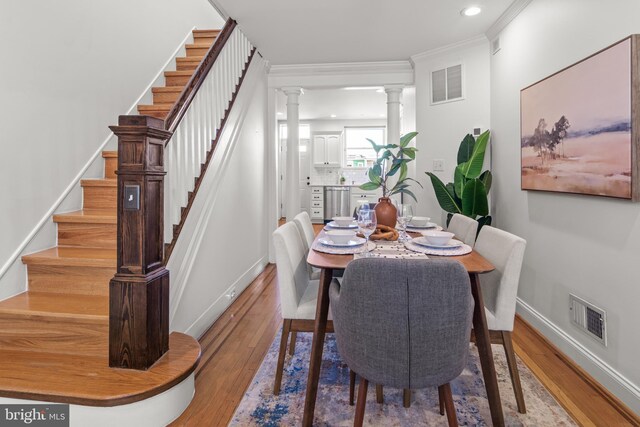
<point x="234" y="347"/>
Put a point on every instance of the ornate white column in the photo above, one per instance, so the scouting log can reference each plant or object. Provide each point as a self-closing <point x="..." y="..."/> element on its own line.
<point x="394" y="93"/>
<point x="292" y="192"/>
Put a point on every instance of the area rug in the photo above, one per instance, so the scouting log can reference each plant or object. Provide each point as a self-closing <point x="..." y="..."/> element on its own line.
<point x="259" y="407"/>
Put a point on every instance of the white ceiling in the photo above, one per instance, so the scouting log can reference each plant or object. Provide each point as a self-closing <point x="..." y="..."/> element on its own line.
<point x="320" y="104"/>
<point x="330" y="31"/>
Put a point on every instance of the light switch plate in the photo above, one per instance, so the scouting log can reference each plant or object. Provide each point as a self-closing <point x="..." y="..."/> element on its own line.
<point x="438" y="165"/>
<point x="132" y="197"/>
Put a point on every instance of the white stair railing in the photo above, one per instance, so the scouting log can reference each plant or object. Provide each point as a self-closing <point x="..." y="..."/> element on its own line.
<point x="187" y="150"/>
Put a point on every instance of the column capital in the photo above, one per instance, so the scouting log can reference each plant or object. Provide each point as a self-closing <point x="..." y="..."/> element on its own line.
<point x="393" y="88"/>
<point x="292" y="90"/>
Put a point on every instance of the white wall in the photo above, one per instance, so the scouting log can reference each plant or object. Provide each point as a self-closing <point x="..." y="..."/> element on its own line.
<point x="441" y="127"/>
<point x="70" y="68"/>
<point x="584" y="245"/>
<point x="224" y="242"/>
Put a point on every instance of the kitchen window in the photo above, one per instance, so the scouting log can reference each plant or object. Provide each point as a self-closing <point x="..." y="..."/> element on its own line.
<point x="359" y="152"/>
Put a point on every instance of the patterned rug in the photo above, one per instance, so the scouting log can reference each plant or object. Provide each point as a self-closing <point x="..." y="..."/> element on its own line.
<point x="259" y="407"/>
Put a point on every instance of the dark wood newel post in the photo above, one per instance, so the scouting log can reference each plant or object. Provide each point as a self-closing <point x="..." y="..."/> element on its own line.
<point x="139" y="291"/>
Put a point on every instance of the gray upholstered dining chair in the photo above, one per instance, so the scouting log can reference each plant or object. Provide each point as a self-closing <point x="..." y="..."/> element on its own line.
<point x="403" y="324"/>
<point x="464" y="228"/>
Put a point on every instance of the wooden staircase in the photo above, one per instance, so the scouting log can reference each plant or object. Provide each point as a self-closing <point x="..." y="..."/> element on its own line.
<point x="54" y="338"/>
<point x="164" y="97"/>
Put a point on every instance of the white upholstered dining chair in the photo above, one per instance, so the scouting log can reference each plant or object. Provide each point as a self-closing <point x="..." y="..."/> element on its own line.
<point x="298" y="294"/>
<point x="464" y="228"/>
<point x="500" y="289"/>
<point x="305" y="228"/>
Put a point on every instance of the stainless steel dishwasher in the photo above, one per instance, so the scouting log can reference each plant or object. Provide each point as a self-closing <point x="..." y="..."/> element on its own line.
<point x="336" y="202"/>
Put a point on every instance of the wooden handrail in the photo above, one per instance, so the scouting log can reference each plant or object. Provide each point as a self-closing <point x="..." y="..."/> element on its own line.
<point x="187" y="95"/>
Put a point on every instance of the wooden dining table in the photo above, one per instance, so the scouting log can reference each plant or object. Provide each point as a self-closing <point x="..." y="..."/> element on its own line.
<point x="474" y="263"/>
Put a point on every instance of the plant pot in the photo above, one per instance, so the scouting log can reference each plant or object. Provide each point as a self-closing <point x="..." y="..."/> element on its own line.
<point x="386" y="213"/>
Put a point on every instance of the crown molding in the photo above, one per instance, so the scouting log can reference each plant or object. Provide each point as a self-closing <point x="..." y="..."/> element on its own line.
<point x="507" y="16"/>
<point x="342" y="74"/>
<point x="473" y="41"/>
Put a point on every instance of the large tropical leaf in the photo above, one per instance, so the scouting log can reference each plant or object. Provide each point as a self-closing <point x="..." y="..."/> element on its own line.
<point x="473" y="167"/>
<point x="375" y="172"/>
<point x="395" y="166"/>
<point x="446" y="199"/>
<point x="474" y="199"/>
<point x="369" y="186"/>
<point x="375" y="146"/>
<point x="482" y="221"/>
<point x="406" y="138"/>
<point x="403" y="172"/>
<point x="409" y="152"/>
<point x="458" y="181"/>
<point x="487" y="179"/>
<point x="466" y="148"/>
<point x="409" y="193"/>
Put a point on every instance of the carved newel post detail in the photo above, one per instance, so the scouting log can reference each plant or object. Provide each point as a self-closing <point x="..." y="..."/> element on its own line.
<point x="139" y="292"/>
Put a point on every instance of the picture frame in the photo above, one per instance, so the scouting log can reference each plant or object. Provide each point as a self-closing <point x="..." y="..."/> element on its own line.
<point x="580" y="127"/>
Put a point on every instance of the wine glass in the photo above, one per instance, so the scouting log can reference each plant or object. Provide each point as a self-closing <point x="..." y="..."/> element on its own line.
<point x="367" y="222"/>
<point x="405" y="214"/>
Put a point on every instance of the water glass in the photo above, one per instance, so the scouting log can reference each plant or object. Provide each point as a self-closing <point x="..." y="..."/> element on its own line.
<point x="405" y="214"/>
<point x="367" y="222"/>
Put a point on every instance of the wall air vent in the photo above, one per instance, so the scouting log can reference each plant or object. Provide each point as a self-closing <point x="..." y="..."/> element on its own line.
<point x="589" y="318"/>
<point x="446" y="84"/>
<point x="495" y="45"/>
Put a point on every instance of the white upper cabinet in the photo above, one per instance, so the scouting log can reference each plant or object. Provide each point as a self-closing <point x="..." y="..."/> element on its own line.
<point x="327" y="150"/>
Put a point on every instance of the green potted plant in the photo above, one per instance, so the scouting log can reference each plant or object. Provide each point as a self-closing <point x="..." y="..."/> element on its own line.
<point x="468" y="193"/>
<point x="389" y="163"/>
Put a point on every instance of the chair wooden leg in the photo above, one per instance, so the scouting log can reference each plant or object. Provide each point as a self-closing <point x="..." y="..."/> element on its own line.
<point x="445" y="390"/>
<point x="292" y="344"/>
<point x="441" y="400"/>
<point x="362" y="401"/>
<point x="286" y="327"/>
<point x="379" y="393"/>
<point x="352" y="387"/>
<point x="406" y="398"/>
<point x="513" y="370"/>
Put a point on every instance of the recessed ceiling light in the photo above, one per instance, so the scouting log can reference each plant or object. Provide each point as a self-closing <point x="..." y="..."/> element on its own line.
<point x="333" y="116"/>
<point x="470" y="11"/>
<point x="380" y="90"/>
<point x="280" y="114"/>
<point x="381" y="115"/>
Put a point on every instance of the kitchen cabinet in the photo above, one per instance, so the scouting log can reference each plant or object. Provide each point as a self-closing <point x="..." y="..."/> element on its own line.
<point x="327" y="149"/>
<point x="317" y="205"/>
<point x="361" y="195"/>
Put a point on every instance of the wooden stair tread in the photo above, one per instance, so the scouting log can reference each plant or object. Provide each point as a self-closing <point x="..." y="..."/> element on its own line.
<point x="88" y="380"/>
<point x="85" y="307"/>
<point x="99" y="182"/>
<point x="109" y="154"/>
<point x="73" y="256"/>
<point x="167" y="89"/>
<point x="179" y="73"/>
<point x="206" y="33"/>
<point x="88" y="216"/>
<point x="198" y="45"/>
<point x="155" y="107"/>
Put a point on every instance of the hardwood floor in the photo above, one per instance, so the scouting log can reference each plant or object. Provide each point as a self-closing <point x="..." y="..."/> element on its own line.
<point x="233" y="349"/>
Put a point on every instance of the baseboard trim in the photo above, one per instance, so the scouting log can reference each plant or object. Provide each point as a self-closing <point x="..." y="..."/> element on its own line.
<point x="218" y="307"/>
<point x="619" y="391"/>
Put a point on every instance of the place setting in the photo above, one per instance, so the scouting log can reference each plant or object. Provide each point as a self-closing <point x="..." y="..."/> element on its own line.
<point x="340" y="236"/>
<point x="441" y="243"/>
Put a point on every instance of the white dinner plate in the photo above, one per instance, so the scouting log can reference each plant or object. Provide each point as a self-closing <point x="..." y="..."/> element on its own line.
<point x="422" y="241"/>
<point x="333" y="224"/>
<point x="356" y="241"/>
<point x="423" y="227"/>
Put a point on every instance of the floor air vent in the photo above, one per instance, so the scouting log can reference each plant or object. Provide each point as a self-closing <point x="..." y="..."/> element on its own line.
<point x="589" y="318"/>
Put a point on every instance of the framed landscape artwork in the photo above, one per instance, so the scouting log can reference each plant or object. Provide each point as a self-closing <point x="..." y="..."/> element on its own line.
<point x="579" y="128"/>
